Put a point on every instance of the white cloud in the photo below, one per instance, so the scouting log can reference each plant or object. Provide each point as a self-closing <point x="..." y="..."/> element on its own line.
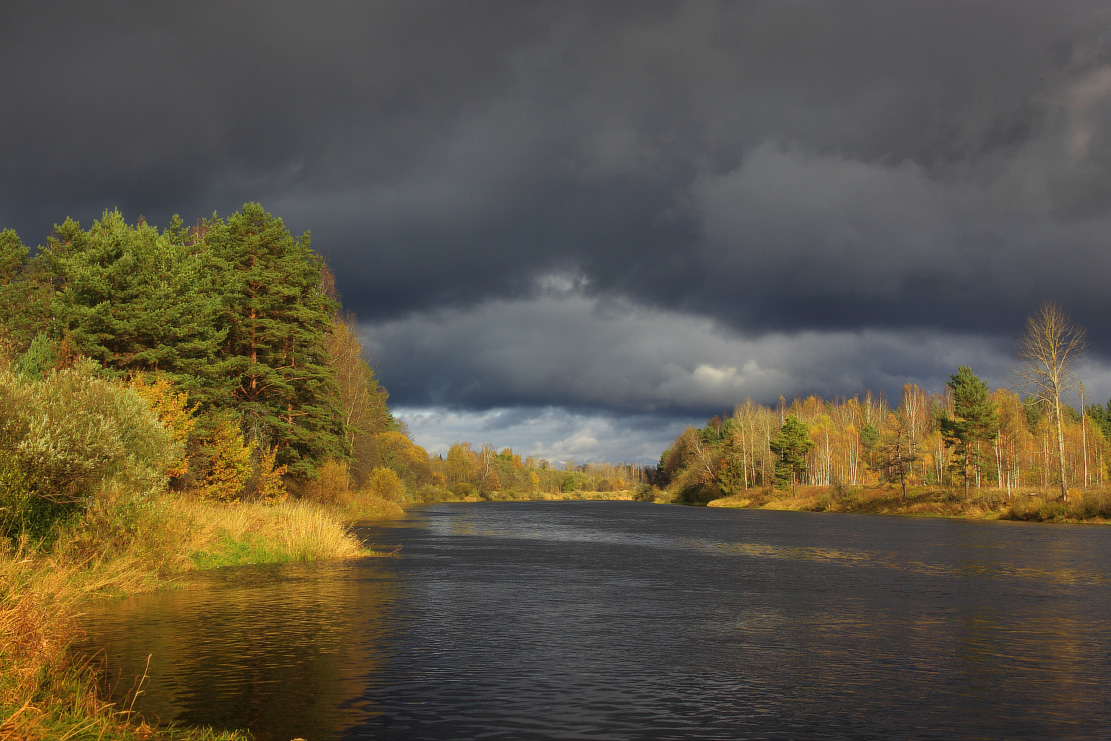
<point x="549" y="433"/>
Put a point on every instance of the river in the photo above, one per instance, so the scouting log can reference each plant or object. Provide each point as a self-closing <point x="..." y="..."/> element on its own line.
<point x="623" y="620"/>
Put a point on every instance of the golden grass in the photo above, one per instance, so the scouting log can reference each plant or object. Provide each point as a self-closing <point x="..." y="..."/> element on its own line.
<point x="127" y="546"/>
<point x="44" y="694"/>
<point x="252" y="532"/>
<point x="365" y="506"/>
<point x="985" y="504"/>
<point x="568" y="496"/>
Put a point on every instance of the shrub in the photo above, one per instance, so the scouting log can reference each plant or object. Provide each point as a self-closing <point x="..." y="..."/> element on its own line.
<point x="173" y="411"/>
<point x="464" y="489"/>
<point x="66" y="437"/>
<point x="39" y="358"/>
<point x="268" y="482"/>
<point x="332" y="483"/>
<point x="385" y="484"/>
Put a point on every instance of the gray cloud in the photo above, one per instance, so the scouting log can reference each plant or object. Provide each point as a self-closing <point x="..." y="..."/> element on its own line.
<point x="847" y="195"/>
<point x="625" y="358"/>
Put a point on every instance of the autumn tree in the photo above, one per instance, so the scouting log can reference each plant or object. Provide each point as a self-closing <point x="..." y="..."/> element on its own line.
<point x="362" y="401"/>
<point x="1049" y="351"/>
<point x="791" y="445"/>
<point x="174" y="412"/>
<point x="897" y="446"/>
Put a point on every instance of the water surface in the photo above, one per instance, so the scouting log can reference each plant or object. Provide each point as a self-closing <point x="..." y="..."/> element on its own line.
<point x="621" y="620"/>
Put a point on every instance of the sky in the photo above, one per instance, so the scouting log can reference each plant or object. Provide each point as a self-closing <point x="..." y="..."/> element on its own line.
<point x="574" y="228"/>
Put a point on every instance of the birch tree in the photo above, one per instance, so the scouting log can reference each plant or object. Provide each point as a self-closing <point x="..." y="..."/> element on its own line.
<point x="1049" y="351"/>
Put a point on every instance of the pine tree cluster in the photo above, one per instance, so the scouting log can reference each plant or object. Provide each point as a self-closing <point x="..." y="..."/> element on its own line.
<point x="235" y="313"/>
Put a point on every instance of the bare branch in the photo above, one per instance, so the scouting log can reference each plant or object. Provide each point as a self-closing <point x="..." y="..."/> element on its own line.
<point x="1049" y="351"/>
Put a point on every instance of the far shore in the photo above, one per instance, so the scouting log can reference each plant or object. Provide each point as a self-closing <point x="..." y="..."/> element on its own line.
<point x="1084" y="505"/>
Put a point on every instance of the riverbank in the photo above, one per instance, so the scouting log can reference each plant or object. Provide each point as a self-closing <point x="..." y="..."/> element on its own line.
<point x="544" y="496"/>
<point x="1089" y="506"/>
<point x="128" y="547"/>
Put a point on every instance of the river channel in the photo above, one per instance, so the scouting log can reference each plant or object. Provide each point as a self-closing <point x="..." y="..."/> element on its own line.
<point x="622" y="620"/>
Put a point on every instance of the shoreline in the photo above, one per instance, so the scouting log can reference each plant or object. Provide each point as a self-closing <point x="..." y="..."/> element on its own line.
<point x="1084" y="506"/>
<point x="48" y="693"/>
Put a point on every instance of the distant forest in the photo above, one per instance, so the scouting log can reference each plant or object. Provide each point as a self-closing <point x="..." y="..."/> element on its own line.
<point x="962" y="437"/>
<point x="232" y="332"/>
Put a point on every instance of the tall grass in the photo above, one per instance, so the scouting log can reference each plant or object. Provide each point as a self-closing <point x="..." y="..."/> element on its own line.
<point x="45" y="693"/>
<point x="252" y="533"/>
<point x="126" y="545"/>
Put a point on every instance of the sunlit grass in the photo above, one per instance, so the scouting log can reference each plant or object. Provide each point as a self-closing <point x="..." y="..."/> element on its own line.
<point x="45" y="693"/>
<point x="1092" y="506"/>
<point x="255" y="533"/>
<point x="127" y="546"/>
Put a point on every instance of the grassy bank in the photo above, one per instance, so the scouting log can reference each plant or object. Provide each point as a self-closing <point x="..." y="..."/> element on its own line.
<point x="544" y="496"/>
<point x="127" y="547"/>
<point x="1083" y="506"/>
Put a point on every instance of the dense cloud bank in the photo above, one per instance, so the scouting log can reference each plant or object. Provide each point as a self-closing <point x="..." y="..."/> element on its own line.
<point x="611" y="208"/>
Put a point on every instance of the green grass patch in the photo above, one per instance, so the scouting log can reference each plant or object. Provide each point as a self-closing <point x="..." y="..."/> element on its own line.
<point x="229" y="551"/>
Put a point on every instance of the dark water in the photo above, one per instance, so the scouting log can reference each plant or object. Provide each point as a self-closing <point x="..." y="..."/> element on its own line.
<point x="619" y="620"/>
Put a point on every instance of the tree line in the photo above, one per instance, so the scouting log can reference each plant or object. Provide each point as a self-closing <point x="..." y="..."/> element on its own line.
<point x="232" y="334"/>
<point x="964" y="435"/>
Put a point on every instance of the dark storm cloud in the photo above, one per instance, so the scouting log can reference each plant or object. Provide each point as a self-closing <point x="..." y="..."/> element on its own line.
<point x="760" y="176"/>
<point x="625" y="357"/>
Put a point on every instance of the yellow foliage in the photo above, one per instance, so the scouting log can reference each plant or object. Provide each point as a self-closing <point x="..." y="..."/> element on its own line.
<point x="332" y="482"/>
<point x="269" y="484"/>
<point x="385" y="483"/>
<point x="173" y="411"/>
<point x="230" y="465"/>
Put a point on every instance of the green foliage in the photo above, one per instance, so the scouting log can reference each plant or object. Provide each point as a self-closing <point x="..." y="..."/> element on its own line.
<point x="731" y="476"/>
<point x="39" y="358"/>
<point x="791" y="445"/>
<point x="65" y="438"/>
<point x="23" y="298"/>
<point x="276" y="315"/>
<point x="136" y="300"/>
<point x="1101" y="415"/>
<point x="975" y="420"/>
<point x="233" y="313"/>
<point x="1035" y="412"/>
<point x="869" y="437"/>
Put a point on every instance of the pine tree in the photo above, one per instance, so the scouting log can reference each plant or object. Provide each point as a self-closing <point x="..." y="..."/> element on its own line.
<point x="23" y="299"/>
<point x="974" y="421"/>
<point x="136" y="301"/>
<point x="276" y="316"/>
<point x="791" y="445"/>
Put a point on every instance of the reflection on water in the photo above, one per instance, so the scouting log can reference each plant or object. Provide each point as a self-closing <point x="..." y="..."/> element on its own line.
<point x="626" y="620"/>
<point x="282" y="650"/>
